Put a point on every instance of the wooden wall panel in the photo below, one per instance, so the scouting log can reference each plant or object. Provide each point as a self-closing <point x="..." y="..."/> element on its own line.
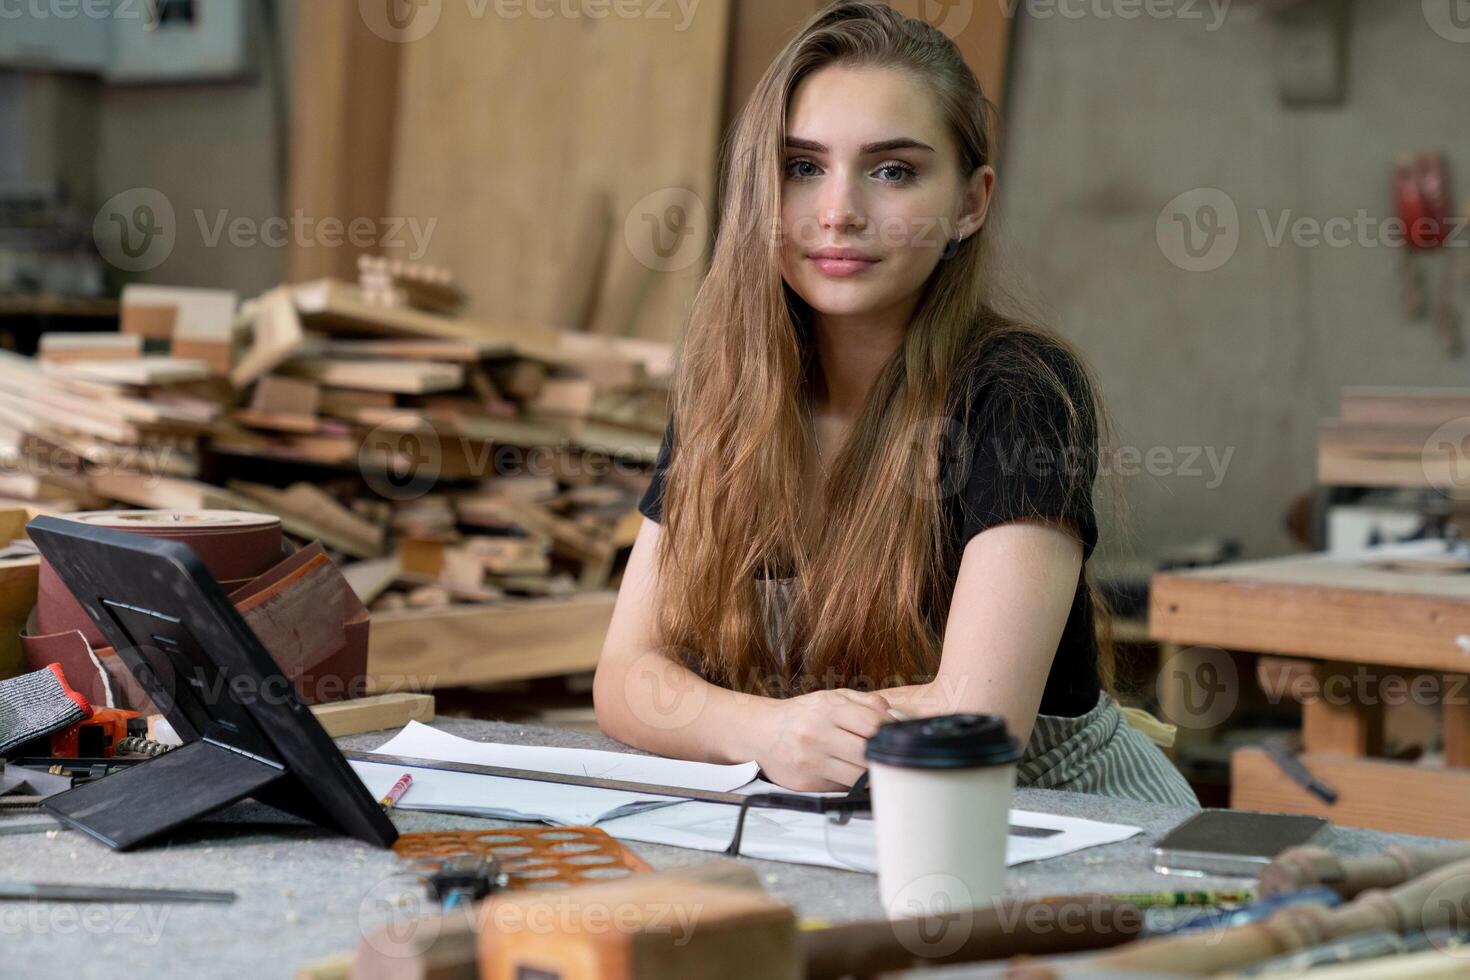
<point x="509" y="126"/>
<point x="344" y="88"/>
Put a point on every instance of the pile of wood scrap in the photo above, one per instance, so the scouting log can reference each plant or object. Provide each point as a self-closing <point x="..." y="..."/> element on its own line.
<point x="1398" y="437"/>
<point x="440" y="460"/>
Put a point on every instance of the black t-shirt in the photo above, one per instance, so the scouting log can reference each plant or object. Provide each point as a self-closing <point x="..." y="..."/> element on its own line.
<point x="1019" y="465"/>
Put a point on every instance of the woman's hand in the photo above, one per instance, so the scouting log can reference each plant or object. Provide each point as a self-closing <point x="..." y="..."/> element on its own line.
<point x="815" y="742"/>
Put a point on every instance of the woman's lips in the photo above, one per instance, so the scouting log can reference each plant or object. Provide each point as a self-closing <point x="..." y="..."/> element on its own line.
<point x="841" y="268"/>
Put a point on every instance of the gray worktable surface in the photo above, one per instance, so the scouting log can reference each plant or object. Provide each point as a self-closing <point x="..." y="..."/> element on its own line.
<point x="305" y="894"/>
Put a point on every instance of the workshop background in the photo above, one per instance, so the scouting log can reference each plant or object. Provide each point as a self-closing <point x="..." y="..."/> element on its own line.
<point x="320" y="236"/>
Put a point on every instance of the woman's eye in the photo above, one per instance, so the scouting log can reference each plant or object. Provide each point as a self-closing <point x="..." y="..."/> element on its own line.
<point x="792" y="165"/>
<point x="900" y="172"/>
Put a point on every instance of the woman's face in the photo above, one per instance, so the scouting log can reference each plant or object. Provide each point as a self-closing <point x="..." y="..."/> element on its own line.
<point x="871" y="190"/>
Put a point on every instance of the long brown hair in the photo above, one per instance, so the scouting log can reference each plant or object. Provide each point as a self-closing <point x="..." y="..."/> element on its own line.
<point x="875" y="573"/>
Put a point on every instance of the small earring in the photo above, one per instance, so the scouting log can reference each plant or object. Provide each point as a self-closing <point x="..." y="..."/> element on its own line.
<point x="951" y="247"/>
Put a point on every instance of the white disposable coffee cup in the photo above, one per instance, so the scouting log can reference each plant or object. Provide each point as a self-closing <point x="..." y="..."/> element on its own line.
<point x="941" y="790"/>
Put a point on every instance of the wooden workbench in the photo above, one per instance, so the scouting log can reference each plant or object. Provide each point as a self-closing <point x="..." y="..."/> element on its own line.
<point x="1365" y="620"/>
<point x="305" y="894"/>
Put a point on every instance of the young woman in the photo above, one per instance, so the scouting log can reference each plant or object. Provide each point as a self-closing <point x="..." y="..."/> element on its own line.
<point x="874" y="499"/>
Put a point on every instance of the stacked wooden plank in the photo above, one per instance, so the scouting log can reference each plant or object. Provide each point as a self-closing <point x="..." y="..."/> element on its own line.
<point x="59" y="424"/>
<point x="1398" y="437"/>
<point x="398" y="282"/>
<point x="442" y="461"/>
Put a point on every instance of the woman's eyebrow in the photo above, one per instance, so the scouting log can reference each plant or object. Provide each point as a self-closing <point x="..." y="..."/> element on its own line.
<point x="882" y="146"/>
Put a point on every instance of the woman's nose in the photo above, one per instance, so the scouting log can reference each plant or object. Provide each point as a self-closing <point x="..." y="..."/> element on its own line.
<point x="841" y="206"/>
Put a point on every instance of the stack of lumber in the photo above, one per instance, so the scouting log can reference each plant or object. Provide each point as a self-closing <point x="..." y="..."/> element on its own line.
<point x="442" y="461"/>
<point x="396" y="282"/>
<point x="1398" y="437"/>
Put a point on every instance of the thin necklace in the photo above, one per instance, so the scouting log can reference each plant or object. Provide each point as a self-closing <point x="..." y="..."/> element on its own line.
<point x="816" y="443"/>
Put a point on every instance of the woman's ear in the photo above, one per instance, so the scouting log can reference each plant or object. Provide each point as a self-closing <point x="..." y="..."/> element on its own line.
<point x="975" y="201"/>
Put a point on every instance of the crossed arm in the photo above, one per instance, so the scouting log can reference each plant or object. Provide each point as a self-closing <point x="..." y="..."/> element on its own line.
<point x="1011" y="600"/>
<point x="1012" y="596"/>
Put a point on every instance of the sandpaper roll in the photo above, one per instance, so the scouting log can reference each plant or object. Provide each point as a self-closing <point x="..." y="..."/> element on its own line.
<point x="78" y="660"/>
<point x="297" y="602"/>
<point x="236" y="547"/>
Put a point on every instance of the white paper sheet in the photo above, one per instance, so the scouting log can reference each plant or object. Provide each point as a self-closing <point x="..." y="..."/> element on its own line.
<point x="809" y="838"/>
<point x="500" y="798"/>
<point x="424" y="742"/>
<point x="521" y="799"/>
<point x="778" y="835"/>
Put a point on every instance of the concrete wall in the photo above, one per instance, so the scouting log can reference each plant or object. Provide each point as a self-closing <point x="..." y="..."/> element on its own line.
<point x="1110" y="121"/>
<point x="209" y="148"/>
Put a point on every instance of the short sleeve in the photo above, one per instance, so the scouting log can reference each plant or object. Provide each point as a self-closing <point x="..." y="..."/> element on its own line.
<point x="652" y="504"/>
<point x="1027" y="458"/>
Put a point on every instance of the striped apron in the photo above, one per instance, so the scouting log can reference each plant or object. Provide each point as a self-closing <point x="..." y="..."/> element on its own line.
<point x="1104" y="751"/>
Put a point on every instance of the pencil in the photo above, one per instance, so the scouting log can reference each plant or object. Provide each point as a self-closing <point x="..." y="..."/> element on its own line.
<point x="1159" y="899"/>
<point x="396" y="793"/>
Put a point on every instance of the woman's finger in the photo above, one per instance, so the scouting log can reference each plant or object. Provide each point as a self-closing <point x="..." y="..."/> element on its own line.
<point x="871" y="699"/>
<point x="841" y="772"/>
<point x="848" y="747"/>
<point x="859" y="719"/>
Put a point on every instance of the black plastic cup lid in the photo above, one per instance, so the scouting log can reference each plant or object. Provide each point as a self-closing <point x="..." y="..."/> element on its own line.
<point x="945" y="742"/>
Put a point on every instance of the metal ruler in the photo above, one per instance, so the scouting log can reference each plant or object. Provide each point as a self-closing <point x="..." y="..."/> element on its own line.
<point x="649" y="789"/>
<point x="710" y="796"/>
<point x="41" y="892"/>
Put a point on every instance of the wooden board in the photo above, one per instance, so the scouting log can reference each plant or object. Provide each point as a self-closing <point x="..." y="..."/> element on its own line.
<point x="58" y="347"/>
<point x="1321" y="607"/>
<point x="487" y="644"/>
<point x="462" y="351"/>
<point x="1408" y="452"/>
<point x="374" y="713"/>
<point x="371" y="578"/>
<point x="1374" y="793"/>
<point x="400" y="377"/>
<point x="1339" y="471"/>
<point x="344" y="95"/>
<point x="200" y="314"/>
<point x="310" y="512"/>
<point x="275" y="333"/>
<point x="284" y="404"/>
<point x="646" y="96"/>
<point x="18" y="577"/>
<point x="339" y="307"/>
<point x="1342" y="725"/>
<point x="1423" y="407"/>
<point x="150" y="369"/>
